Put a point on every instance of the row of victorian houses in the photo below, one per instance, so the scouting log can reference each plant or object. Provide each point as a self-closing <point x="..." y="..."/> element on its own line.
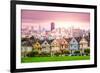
<point x="56" y="45"/>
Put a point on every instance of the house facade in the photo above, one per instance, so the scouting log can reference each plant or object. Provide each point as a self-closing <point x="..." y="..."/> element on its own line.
<point x="83" y="44"/>
<point x="37" y="46"/>
<point x="55" y="46"/>
<point x="45" y="47"/>
<point x="73" y="45"/>
<point x="64" y="45"/>
<point x="25" y="49"/>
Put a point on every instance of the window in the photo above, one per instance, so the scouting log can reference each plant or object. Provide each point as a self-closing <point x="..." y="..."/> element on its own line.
<point x="73" y="41"/>
<point x="74" y="46"/>
<point x="45" y="43"/>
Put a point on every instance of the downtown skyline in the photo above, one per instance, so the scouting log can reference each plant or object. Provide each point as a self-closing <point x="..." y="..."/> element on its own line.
<point x="43" y="19"/>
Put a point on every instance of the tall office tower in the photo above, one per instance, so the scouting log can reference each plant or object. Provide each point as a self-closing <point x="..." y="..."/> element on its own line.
<point x="39" y="29"/>
<point x="52" y="26"/>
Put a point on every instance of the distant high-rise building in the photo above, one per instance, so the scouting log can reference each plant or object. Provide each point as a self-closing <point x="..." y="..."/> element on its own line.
<point x="32" y="28"/>
<point x="39" y="29"/>
<point x="52" y="26"/>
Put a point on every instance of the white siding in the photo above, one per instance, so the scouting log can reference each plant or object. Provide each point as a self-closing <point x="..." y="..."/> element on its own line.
<point x="29" y="49"/>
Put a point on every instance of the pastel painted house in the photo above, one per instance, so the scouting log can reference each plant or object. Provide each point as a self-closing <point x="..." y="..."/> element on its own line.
<point x="73" y="45"/>
<point x="83" y="44"/>
<point x="45" y="46"/>
<point x="55" y="46"/>
<point x="37" y="46"/>
<point x="64" y="45"/>
<point x="26" y="47"/>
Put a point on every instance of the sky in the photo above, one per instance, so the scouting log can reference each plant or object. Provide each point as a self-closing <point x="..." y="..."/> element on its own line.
<point x="61" y="19"/>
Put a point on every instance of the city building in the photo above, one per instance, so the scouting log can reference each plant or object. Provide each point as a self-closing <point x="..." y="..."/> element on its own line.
<point x="52" y="26"/>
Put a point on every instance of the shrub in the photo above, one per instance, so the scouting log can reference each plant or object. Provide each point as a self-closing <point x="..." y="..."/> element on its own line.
<point x="29" y="54"/>
<point x="44" y="54"/>
<point x="87" y="51"/>
<point x="57" y="53"/>
<point x="66" y="52"/>
<point x="33" y="53"/>
<point x="77" y="52"/>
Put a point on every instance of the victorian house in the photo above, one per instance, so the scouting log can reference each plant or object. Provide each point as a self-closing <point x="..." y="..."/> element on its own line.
<point x="73" y="45"/>
<point x="64" y="45"/>
<point x="37" y="46"/>
<point x="83" y="44"/>
<point x="55" y="46"/>
<point x="26" y="47"/>
<point x="45" y="46"/>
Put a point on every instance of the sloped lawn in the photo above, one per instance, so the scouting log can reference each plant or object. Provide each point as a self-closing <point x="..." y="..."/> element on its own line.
<point x="54" y="58"/>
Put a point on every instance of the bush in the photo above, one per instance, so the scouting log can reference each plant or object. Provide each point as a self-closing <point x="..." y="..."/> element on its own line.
<point x="57" y="53"/>
<point x="77" y="52"/>
<point x="66" y="52"/>
<point x="87" y="51"/>
<point x="29" y="54"/>
<point x="32" y="54"/>
<point x="44" y="54"/>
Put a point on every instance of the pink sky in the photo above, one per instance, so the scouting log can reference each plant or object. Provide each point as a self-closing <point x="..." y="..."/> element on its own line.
<point x="61" y="19"/>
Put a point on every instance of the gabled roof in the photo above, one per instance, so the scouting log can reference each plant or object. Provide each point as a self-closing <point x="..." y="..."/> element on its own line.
<point x="45" y="43"/>
<point x="73" y="40"/>
<point x="83" y="40"/>
<point x="55" y="41"/>
<point x="26" y="43"/>
<point x="49" y="41"/>
<point x="62" y="41"/>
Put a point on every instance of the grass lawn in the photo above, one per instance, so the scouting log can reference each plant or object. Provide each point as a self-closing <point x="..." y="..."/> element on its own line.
<point x="54" y="58"/>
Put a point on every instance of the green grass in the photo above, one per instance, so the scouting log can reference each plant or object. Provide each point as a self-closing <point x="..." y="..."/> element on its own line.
<point x="49" y="59"/>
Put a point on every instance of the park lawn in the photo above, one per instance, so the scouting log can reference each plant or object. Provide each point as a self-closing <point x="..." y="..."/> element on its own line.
<point x="54" y="58"/>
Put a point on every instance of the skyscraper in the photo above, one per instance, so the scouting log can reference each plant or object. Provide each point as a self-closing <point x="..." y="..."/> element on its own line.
<point x="52" y="26"/>
<point x="39" y="29"/>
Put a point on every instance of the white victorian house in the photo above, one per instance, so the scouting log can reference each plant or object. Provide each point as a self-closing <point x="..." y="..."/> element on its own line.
<point x="25" y="48"/>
